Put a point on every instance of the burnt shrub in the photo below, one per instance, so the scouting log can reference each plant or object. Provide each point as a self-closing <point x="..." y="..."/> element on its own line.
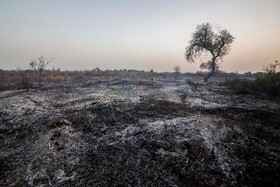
<point x="241" y="86"/>
<point x="268" y="82"/>
<point x="265" y="84"/>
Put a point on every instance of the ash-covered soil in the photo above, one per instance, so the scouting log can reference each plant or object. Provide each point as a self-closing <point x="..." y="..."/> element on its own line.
<point x="138" y="133"/>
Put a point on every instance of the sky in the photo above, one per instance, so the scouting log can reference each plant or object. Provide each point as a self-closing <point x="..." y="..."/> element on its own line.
<point x="135" y="34"/>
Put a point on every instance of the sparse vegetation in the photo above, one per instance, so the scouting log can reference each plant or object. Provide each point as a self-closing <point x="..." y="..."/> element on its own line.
<point x="266" y="83"/>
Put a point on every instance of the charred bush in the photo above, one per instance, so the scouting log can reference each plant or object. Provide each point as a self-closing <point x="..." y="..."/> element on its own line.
<point x="241" y="86"/>
<point x="267" y="83"/>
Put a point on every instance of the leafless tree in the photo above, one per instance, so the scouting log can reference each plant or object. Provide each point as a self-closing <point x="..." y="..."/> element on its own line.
<point x="177" y="71"/>
<point x="39" y="66"/>
<point x="204" y="39"/>
<point x="152" y="74"/>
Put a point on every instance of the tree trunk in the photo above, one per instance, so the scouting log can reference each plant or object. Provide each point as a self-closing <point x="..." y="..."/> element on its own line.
<point x="212" y="72"/>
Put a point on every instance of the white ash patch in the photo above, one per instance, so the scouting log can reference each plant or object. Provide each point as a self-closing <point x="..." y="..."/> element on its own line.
<point x="46" y="160"/>
<point x="199" y="102"/>
<point x="198" y="127"/>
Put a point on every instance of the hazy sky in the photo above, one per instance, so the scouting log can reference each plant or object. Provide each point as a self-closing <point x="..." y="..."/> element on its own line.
<point x="84" y="34"/>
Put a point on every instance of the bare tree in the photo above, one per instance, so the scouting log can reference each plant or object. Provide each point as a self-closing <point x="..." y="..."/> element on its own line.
<point x="177" y="71"/>
<point x="39" y="66"/>
<point x="204" y="39"/>
<point x="152" y="74"/>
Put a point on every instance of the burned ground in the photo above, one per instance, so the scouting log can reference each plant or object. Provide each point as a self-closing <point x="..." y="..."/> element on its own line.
<point x="138" y="133"/>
